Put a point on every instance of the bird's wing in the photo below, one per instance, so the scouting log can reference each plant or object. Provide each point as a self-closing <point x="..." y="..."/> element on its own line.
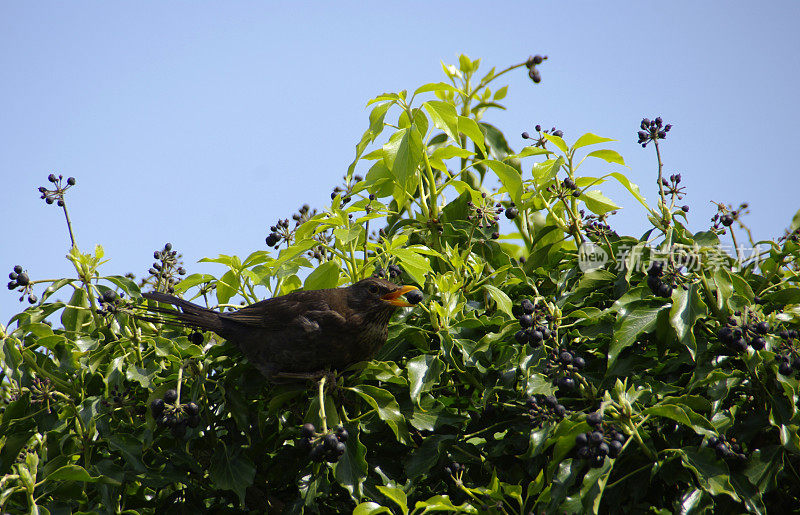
<point x="303" y="310"/>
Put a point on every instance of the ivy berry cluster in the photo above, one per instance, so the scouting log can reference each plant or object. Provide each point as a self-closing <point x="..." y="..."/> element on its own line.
<point x="392" y="271"/>
<point x="56" y="195"/>
<point x="533" y="322"/>
<point x="598" y="443"/>
<point x="543" y="408"/>
<point x="346" y="192"/>
<point x="455" y="469"/>
<point x="652" y="130"/>
<point x="43" y="391"/>
<point x="328" y="447"/>
<point x="119" y="397"/>
<point x="789" y="358"/>
<point x="656" y="280"/>
<point x="739" y="333"/>
<point x="541" y="141"/>
<point x="486" y="214"/>
<point x="532" y="62"/>
<point x="673" y="189"/>
<point x="726" y="215"/>
<point x="19" y="279"/>
<point x="564" y="366"/>
<point x="596" y="226"/>
<point x="282" y="231"/>
<point x="164" y="269"/>
<point x="108" y="302"/>
<point x="726" y="448"/>
<point x="177" y="417"/>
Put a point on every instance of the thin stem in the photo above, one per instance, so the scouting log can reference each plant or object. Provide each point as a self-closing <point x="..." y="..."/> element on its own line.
<point x="735" y="245"/>
<point x="180" y="380"/>
<point x="626" y="476"/>
<point x="321" y="394"/>
<point x="69" y="223"/>
<point x="660" y="168"/>
<point x="366" y="239"/>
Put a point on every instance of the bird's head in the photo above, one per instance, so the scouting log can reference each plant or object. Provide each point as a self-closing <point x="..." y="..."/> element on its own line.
<point x="380" y="294"/>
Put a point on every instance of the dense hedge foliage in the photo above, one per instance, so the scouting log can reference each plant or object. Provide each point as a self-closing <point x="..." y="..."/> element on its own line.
<point x="555" y="367"/>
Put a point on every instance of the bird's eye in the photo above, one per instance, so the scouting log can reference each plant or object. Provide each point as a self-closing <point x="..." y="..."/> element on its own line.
<point x="373" y="289"/>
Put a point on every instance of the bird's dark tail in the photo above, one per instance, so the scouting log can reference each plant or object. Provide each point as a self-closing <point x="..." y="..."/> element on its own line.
<point x="190" y="315"/>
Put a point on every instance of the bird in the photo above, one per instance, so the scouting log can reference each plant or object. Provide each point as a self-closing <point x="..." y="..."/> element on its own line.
<point x="301" y="333"/>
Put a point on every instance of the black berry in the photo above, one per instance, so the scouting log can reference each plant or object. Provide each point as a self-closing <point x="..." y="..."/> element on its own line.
<point x="157" y="407"/>
<point x="664" y="290"/>
<point x="566" y="383"/>
<point x="330" y="441"/>
<point x="170" y="396"/>
<point x="527" y="306"/>
<point x="191" y="409"/>
<point x="414" y="296"/>
<point x="594" y="419"/>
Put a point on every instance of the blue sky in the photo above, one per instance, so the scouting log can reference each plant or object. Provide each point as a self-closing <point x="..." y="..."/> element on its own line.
<point x="202" y="123"/>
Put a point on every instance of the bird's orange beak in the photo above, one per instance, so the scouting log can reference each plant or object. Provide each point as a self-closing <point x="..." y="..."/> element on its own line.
<point x="394" y="299"/>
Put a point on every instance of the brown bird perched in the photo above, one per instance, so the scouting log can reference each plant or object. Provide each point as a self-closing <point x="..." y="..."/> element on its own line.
<point x="302" y="332"/>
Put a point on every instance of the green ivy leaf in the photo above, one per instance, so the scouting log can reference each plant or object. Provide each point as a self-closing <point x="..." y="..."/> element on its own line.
<point x="125" y="284"/>
<point x="232" y="470"/>
<point x="370" y="508"/>
<point x="227" y="286"/>
<point x="387" y="408"/>
<point x="443" y="503"/>
<point x="193" y="280"/>
<point x="470" y="128"/>
<point x="396" y="495"/>
<point x="712" y="474"/>
<point x="631" y="187"/>
<point x="609" y="156"/>
<point x="598" y="203"/>
<point x="76" y="315"/>
<point x="501" y="299"/>
<point x="437" y="86"/>
<point x="686" y="310"/>
<point x="415" y="264"/>
<point x="444" y="117"/>
<point x="510" y="178"/>
<point x="324" y="276"/>
<point x="590" y="139"/>
<point x="683" y="415"/>
<point x="557" y="141"/>
<point x="423" y="373"/>
<point x="633" y="319"/>
<point x="351" y="469"/>
<point x="78" y="473"/>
